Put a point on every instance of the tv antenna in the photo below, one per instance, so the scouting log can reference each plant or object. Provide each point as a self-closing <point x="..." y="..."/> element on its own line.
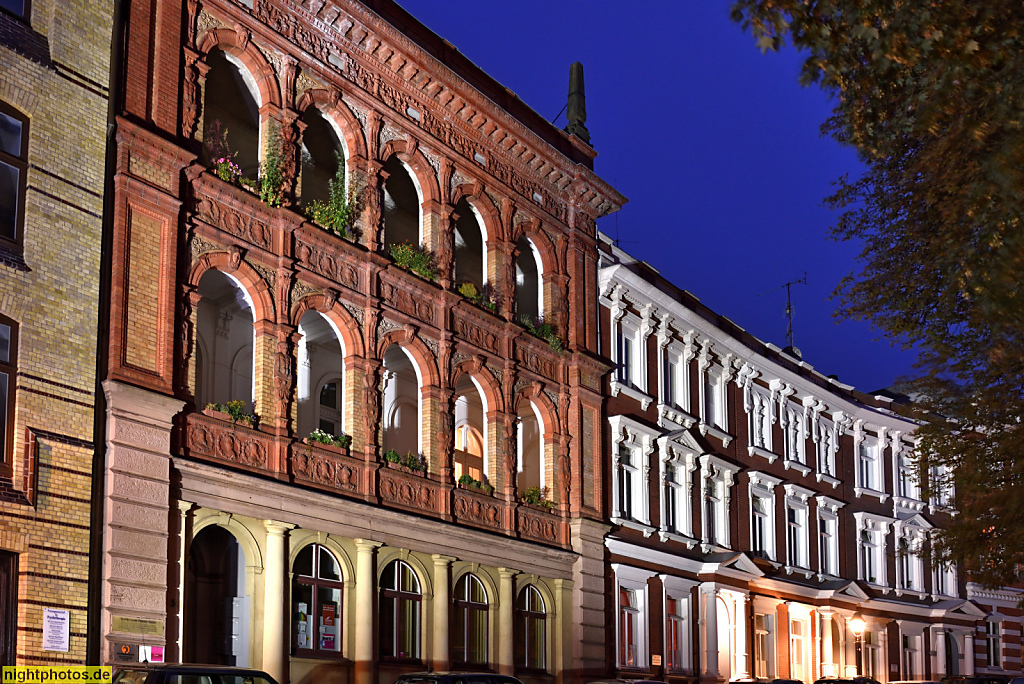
<point x="789" y="304"/>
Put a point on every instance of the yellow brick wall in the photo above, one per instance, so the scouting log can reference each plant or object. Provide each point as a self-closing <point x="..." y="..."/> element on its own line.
<point x="55" y="305"/>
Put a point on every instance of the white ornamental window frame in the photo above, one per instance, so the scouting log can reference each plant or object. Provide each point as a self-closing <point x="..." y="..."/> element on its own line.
<point x="910" y="539"/>
<point x="633" y="579"/>
<point x="828" y="510"/>
<point x="679" y="589"/>
<point x="722" y="474"/>
<point x="640" y="440"/>
<point x="877" y="527"/>
<point x="797" y="499"/>
<point x="762" y="487"/>
<point x="684" y="461"/>
<point x="869" y="451"/>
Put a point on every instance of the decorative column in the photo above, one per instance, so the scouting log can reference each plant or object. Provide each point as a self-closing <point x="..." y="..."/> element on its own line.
<point x="740" y="629"/>
<point x="968" y="651"/>
<point x="274" y="628"/>
<point x="185" y="519"/>
<point x="564" y="633"/>
<point x="710" y="629"/>
<point x="828" y="667"/>
<point x="365" y="588"/>
<point x="506" y="616"/>
<point x="442" y="605"/>
<point x="938" y="636"/>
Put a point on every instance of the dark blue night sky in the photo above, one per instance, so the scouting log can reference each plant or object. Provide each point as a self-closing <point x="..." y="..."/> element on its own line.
<point x="715" y="145"/>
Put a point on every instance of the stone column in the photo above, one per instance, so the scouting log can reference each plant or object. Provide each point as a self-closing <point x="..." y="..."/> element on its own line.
<point x="710" y="629"/>
<point x="562" y="639"/>
<point x="506" y="616"/>
<point x="364" y="625"/>
<point x="275" y="631"/>
<point x="185" y="517"/>
<point x="968" y="638"/>
<point x="828" y="668"/>
<point x="938" y="636"/>
<point x="442" y="606"/>
<point x="740" y="629"/>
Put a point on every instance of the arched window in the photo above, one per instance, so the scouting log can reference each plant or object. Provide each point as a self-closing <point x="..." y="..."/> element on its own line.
<point x="399" y="612"/>
<point x="231" y="114"/>
<point x="316" y="602"/>
<point x="322" y="157"/>
<point x="401" y="206"/>
<point x="530" y="438"/>
<point x="470" y="247"/>
<point x="8" y="371"/>
<point x="321" y="376"/>
<point x="401" y="404"/>
<point x="13" y="173"/>
<point x="470" y="430"/>
<point x="226" y="335"/>
<point x="469" y="628"/>
<point x="529" y="291"/>
<point x="530" y="630"/>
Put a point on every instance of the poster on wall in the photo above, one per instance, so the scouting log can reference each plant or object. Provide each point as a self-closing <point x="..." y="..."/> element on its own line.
<point x="302" y="638"/>
<point x="56" y="630"/>
<point x="327" y="624"/>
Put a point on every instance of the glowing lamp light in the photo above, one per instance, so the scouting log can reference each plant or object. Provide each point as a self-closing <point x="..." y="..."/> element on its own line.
<point x="857" y="626"/>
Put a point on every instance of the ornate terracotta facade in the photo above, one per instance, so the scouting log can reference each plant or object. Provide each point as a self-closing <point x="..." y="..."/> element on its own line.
<point x="460" y="137"/>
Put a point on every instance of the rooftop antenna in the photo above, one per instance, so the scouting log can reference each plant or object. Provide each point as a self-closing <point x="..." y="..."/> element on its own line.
<point x="790" y="349"/>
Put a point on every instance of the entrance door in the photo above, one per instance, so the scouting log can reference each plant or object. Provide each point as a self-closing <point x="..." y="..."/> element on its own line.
<point x="217" y="609"/>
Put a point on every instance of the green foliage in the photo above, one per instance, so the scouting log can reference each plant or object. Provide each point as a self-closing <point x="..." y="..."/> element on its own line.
<point x="219" y="153"/>
<point x="410" y="460"/>
<point x="469" y="481"/>
<point x="480" y="297"/>
<point x="930" y="95"/>
<point x="338" y="212"/>
<point x="323" y="437"/>
<point x="535" y="497"/>
<point x="545" y="331"/>
<point x="271" y="180"/>
<point x="236" y="408"/>
<point x="414" y="259"/>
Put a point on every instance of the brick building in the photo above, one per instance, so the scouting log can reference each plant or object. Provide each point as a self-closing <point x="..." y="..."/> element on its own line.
<point x="455" y="389"/>
<point x="762" y="513"/>
<point x="54" y="69"/>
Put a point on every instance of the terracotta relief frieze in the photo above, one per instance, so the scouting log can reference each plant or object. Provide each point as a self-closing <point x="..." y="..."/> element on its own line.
<point x="230" y="220"/>
<point x="409" y="491"/>
<point x="317" y="465"/>
<point x="200" y="246"/>
<point x="268" y="274"/>
<point x="539" y="526"/>
<point x="213" y="439"/>
<point x="408" y="302"/>
<point x="300" y="290"/>
<point x="356" y="311"/>
<point x="472" y="332"/>
<point x="534" y="359"/>
<point x="320" y="260"/>
<point x="478" y="509"/>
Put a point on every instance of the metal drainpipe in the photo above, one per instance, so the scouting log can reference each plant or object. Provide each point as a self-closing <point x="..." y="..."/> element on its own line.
<point x="94" y="630"/>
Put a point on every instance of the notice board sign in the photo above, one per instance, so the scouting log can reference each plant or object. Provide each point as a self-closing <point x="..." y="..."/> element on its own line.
<point x="56" y="630"/>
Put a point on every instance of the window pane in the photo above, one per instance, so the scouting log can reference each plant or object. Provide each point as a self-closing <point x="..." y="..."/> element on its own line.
<point x="11" y="128"/>
<point x="408" y="629"/>
<point x="8" y="199"/>
<point x="304" y="562"/>
<point x="329" y="568"/>
<point x="476" y="591"/>
<point x="409" y="581"/>
<point x="329" y="395"/>
<point x="387" y="626"/>
<point x="5" y="343"/>
<point x="329" y="604"/>
<point x="387" y="578"/>
<point x="476" y="648"/>
<point x="3" y="416"/>
<point x="302" y="597"/>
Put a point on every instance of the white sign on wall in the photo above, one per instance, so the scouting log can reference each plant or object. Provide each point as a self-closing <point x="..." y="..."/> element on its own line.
<point x="56" y="630"/>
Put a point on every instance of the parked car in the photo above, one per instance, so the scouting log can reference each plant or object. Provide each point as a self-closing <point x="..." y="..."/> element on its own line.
<point x="977" y="679"/>
<point x="628" y="681"/>
<point x="846" y="680"/>
<point x="455" y="678"/>
<point x="786" y="681"/>
<point x="177" y="673"/>
<point x="926" y="681"/>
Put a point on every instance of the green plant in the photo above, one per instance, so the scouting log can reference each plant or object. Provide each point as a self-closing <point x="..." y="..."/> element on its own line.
<point x="323" y="437"/>
<point x="219" y="153"/>
<point x="535" y="497"/>
<point x="468" y="480"/>
<point x="545" y="331"/>
<point x="415" y="259"/>
<point x="414" y="462"/>
<point x="236" y="410"/>
<point x="337" y="213"/>
<point x="392" y="456"/>
<point x="480" y="297"/>
<point x="271" y="180"/>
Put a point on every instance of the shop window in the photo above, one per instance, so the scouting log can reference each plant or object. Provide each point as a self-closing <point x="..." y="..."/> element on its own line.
<point x="8" y="371"/>
<point x="469" y="633"/>
<point x="13" y="166"/>
<point x="316" y="602"/>
<point x="530" y="630"/>
<point x="399" y="608"/>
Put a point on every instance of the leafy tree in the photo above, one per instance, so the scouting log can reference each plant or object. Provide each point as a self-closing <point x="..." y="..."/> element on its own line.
<point x="931" y="95"/>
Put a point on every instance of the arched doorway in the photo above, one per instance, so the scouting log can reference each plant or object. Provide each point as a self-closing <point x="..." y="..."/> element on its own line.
<point x="217" y="608"/>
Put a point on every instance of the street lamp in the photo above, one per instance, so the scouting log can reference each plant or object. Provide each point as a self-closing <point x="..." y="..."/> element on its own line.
<point x="857" y="626"/>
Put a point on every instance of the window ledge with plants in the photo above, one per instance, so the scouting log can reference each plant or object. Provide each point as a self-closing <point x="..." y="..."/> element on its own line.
<point x="544" y="331"/>
<point x="269" y="183"/>
<point x="415" y="259"/>
<point x="468" y="482"/>
<point x="322" y="439"/>
<point x="235" y="411"/>
<point x="409" y="463"/>
<point x="482" y="297"/>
